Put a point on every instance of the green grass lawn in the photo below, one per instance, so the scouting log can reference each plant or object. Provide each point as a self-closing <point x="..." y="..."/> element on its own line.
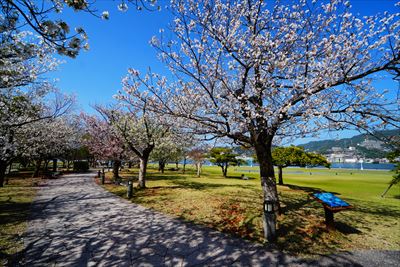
<point x="15" y="201"/>
<point x="233" y="205"/>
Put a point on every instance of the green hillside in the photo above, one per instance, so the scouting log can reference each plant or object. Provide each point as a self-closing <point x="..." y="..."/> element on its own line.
<point x="325" y="145"/>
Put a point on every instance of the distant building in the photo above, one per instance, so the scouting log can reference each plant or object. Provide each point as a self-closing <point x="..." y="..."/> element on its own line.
<point x="343" y="155"/>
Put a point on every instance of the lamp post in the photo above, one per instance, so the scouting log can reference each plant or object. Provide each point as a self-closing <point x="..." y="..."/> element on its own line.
<point x="269" y="220"/>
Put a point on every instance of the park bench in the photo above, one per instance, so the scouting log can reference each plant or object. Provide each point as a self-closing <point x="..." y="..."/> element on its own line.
<point x="331" y="204"/>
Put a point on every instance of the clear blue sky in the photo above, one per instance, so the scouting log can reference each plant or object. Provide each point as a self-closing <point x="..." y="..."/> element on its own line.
<point x="123" y="41"/>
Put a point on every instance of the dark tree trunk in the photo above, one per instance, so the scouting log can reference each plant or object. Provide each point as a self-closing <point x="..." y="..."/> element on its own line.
<point x="46" y="165"/>
<point x="3" y="168"/>
<point x="184" y="165"/>
<point x="54" y="165"/>
<point x="38" y="164"/>
<point x="223" y="170"/>
<point x="268" y="183"/>
<point x="93" y="161"/>
<point x="280" y="175"/>
<point x="161" y="166"/>
<point x="116" y="165"/>
<point x="226" y="171"/>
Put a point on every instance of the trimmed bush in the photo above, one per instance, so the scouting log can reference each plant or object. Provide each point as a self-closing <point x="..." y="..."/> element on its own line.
<point x="81" y="166"/>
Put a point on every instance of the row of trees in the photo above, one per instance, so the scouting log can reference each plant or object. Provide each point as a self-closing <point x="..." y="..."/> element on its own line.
<point x="34" y="116"/>
<point x="252" y="72"/>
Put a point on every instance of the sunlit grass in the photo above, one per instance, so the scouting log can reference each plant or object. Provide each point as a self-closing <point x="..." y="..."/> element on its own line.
<point x="234" y="205"/>
<point x="15" y="202"/>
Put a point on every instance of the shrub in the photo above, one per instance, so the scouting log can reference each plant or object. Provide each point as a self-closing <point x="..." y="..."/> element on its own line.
<point x="81" y="166"/>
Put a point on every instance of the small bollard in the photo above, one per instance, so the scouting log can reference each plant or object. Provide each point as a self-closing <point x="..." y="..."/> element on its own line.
<point x="98" y="174"/>
<point x="129" y="189"/>
<point x="103" y="177"/>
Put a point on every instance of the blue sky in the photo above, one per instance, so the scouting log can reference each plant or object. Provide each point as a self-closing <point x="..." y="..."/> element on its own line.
<point x="123" y="41"/>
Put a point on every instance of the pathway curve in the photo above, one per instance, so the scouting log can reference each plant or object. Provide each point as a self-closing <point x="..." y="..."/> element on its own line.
<point x="77" y="223"/>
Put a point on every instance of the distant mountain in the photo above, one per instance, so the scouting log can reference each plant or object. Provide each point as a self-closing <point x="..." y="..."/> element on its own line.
<point x="366" y="145"/>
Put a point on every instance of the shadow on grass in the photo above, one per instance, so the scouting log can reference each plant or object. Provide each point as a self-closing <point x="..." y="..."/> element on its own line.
<point x="346" y="229"/>
<point x="13" y="213"/>
<point x="205" y="186"/>
<point x="240" y="178"/>
<point x="15" y="204"/>
<point x="310" y="190"/>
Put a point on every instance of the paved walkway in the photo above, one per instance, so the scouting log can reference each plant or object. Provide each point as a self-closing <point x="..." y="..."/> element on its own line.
<point x="77" y="223"/>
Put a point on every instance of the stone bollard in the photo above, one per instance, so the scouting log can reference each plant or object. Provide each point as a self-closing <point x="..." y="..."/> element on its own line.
<point x="129" y="189"/>
<point x="103" y="177"/>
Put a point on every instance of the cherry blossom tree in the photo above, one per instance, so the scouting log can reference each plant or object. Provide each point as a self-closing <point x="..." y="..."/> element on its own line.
<point x="140" y="130"/>
<point x="198" y="155"/>
<point x="172" y="148"/>
<point x="49" y="139"/>
<point x="165" y="152"/>
<point x="26" y="96"/>
<point x="44" y="18"/>
<point x="104" y="142"/>
<point x="257" y="71"/>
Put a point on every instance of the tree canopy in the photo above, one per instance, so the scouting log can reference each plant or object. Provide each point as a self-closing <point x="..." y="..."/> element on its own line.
<point x="224" y="157"/>
<point x="283" y="157"/>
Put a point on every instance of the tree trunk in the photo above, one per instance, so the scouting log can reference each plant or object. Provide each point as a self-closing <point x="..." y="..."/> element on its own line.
<point x="46" y="165"/>
<point x="226" y="171"/>
<point x="116" y="165"/>
<point x="142" y="172"/>
<point x="184" y="165"/>
<point x="38" y="164"/>
<point x="3" y="168"/>
<point x="223" y="171"/>
<point x="387" y="189"/>
<point x="280" y="175"/>
<point x="54" y="165"/>
<point x="198" y="166"/>
<point x="161" y="166"/>
<point x="9" y="171"/>
<point x="268" y="183"/>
